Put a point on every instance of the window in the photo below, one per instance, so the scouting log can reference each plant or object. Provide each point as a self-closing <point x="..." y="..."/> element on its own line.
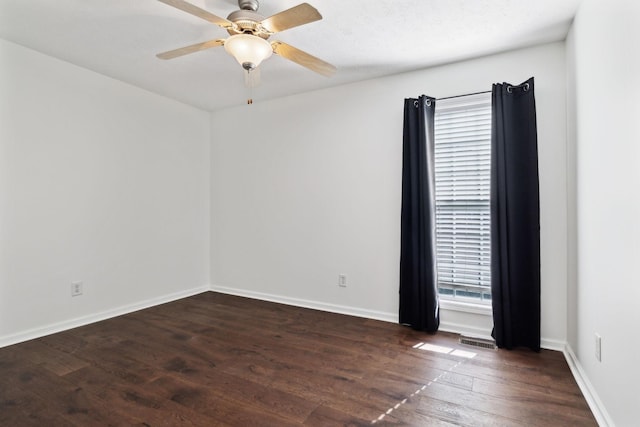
<point x="462" y="173"/>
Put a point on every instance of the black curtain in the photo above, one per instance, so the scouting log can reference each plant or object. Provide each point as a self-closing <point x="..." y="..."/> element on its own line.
<point x="515" y="217"/>
<point x="418" y="277"/>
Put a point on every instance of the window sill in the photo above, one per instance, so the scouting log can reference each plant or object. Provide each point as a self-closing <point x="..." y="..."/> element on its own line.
<point x="466" y="307"/>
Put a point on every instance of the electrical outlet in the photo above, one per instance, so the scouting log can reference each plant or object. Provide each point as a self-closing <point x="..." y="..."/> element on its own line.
<point x="598" y="348"/>
<point x="342" y="280"/>
<point x="76" y="289"/>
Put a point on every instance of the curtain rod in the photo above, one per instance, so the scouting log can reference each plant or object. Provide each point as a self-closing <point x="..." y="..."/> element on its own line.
<point x="466" y="94"/>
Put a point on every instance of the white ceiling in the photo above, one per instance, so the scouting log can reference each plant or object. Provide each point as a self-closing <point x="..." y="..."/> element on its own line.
<point x="363" y="39"/>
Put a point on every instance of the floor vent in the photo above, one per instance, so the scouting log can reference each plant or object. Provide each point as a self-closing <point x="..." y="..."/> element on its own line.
<point x="478" y="342"/>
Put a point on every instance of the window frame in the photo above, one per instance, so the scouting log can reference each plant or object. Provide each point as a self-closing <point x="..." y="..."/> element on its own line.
<point x="458" y="105"/>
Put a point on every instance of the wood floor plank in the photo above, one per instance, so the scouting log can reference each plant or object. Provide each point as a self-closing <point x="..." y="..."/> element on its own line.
<point x="217" y="407"/>
<point x="136" y="405"/>
<point x="220" y="360"/>
<point x="24" y="408"/>
<point x="462" y="415"/>
<point x="54" y="398"/>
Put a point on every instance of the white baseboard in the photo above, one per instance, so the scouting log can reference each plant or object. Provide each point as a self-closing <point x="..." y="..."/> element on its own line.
<point x="591" y="397"/>
<point x="96" y="317"/>
<point x="455" y="328"/>
<point x="332" y="308"/>
<point x="595" y="404"/>
<point x="552" y="344"/>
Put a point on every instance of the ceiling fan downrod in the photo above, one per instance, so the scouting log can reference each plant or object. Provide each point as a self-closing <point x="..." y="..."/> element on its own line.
<point x="248" y="5"/>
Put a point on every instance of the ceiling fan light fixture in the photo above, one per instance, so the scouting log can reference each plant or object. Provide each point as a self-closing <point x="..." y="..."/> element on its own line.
<point x="248" y="50"/>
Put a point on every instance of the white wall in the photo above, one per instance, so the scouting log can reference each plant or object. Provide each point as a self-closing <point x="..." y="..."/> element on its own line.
<point x="572" y="185"/>
<point x="308" y="187"/>
<point x="100" y="182"/>
<point x="607" y="251"/>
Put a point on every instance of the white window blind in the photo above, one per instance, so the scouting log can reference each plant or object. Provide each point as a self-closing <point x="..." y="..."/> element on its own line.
<point x="462" y="173"/>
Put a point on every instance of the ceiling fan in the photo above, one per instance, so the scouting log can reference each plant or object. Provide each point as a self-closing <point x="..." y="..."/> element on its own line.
<point x="249" y="32"/>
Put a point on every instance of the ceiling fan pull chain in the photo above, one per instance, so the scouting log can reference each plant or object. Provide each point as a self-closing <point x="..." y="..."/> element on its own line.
<point x="250" y="84"/>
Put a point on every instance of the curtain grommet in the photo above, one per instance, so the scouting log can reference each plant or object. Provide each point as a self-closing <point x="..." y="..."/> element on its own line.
<point x="509" y="89"/>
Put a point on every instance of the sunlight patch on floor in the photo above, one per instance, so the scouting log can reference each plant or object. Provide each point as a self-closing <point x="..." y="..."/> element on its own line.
<point x="445" y="350"/>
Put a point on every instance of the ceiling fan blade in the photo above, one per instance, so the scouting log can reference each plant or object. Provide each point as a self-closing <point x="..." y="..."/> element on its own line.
<point x="301" y="14"/>
<point x="200" y="13"/>
<point x="190" y="49"/>
<point x="303" y="58"/>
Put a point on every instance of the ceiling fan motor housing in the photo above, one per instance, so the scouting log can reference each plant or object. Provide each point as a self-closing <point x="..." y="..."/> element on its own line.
<point x="247" y="21"/>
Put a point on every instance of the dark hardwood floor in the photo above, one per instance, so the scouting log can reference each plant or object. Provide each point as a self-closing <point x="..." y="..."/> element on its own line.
<point x="219" y="360"/>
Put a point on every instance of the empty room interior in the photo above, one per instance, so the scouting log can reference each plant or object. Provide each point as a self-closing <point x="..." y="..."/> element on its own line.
<point x="186" y="241"/>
